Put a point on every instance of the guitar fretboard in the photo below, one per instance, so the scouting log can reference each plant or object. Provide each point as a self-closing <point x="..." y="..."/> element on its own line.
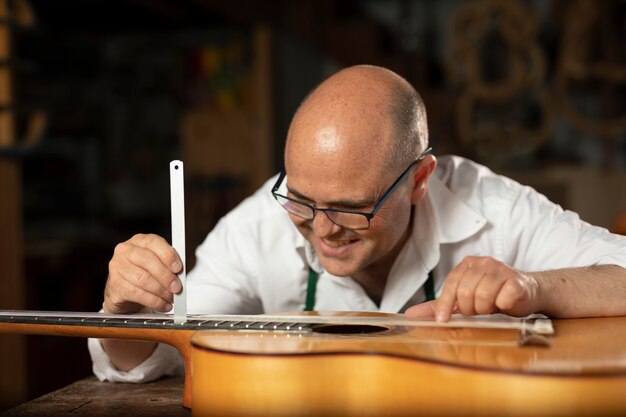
<point x="150" y="321"/>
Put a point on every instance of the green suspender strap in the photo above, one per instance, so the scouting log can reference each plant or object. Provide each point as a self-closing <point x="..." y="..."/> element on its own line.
<point x="310" y="290"/>
<point x="429" y="289"/>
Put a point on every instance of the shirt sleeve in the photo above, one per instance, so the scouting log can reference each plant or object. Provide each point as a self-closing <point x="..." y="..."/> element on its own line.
<point x="165" y="360"/>
<point x="539" y="235"/>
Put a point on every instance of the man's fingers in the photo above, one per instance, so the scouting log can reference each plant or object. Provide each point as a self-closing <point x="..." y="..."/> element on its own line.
<point x="511" y="293"/>
<point x="127" y="295"/>
<point x="447" y="301"/>
<point x="144" y="279"/>
<point x="466" y="290"/>
<point x="483" y="285"/>
<point x="164" y="251"/>
<point x="168" y="258"/>
<point x="480" y="285"/>
<point x="427" y="310"/>
<point x="486" y="292"/>
<point x="142" y="273"/>
<point x="144" y="259"/>
<point x="423" y="310"/>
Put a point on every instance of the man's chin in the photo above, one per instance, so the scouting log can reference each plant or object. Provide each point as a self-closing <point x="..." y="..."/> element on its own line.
<point x="338" y="269"/>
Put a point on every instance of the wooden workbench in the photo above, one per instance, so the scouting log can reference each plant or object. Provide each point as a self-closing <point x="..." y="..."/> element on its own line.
<point x="90" y="397"/>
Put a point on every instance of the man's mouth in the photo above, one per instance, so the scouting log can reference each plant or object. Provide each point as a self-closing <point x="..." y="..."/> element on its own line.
<point x="336" y="248"/>
<point x="337" y="243"/>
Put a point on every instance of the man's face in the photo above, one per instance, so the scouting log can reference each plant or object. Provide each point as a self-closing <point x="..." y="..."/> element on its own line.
<point x="338" y="179"/>
<point x="344" y="252"/>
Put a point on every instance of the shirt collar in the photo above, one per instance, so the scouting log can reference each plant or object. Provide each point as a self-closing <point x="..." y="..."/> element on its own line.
<point x="307" y="254"/>
<point x="455" y="221"/>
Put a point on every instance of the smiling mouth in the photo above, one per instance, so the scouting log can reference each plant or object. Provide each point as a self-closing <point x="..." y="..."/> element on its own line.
<point x="338" y="243"/>
<point x="337" y="248"/>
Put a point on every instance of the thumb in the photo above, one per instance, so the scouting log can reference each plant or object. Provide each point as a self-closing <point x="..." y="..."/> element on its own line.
<point x="423" y="310"/>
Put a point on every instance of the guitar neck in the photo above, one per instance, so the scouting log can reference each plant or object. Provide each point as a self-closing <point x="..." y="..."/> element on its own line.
<point x="285" y="323"/>
<point x="130" y="325"/>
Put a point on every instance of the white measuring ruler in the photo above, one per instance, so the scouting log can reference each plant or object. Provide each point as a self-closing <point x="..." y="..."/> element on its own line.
<point x="177" y="200"/>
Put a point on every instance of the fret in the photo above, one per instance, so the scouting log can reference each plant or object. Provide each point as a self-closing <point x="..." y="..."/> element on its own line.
<point x="198" y="323"/>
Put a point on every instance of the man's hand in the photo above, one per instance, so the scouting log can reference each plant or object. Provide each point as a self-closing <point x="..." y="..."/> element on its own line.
<point x="482" y="285"/>
<point x="142" y="273"/>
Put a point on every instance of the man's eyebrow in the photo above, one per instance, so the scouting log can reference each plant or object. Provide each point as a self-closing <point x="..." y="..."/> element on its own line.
<point x="297" y="194"/>
<point x="354" y="204"/>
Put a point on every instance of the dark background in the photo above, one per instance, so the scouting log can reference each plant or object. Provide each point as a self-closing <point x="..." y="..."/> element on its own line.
<point x="532" y="89"/>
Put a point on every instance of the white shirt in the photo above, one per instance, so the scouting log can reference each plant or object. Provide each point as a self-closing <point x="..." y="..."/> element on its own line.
<point x="255" y="260"/>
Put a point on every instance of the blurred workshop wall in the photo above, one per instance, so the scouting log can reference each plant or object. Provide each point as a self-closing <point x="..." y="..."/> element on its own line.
<point x="540" y="97"/>
<point x="13" y="382"/>
<point x="227" y="127"/>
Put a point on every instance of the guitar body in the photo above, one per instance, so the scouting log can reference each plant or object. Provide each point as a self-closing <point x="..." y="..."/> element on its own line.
<point x="348" y="364"/>
<point x="396" y="371"/>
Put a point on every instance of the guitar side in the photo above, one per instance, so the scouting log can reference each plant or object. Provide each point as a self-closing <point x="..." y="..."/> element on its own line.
<point x="426" y="371"/>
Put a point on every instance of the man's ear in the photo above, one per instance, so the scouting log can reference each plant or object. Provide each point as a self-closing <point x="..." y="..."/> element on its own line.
<point x="426" y="167"/>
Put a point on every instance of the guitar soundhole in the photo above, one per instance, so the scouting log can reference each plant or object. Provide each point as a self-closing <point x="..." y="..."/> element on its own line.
<point x="348" y="329"/>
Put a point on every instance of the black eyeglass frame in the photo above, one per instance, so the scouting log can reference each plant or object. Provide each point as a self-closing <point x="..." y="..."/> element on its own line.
<point x="367" y="215"/>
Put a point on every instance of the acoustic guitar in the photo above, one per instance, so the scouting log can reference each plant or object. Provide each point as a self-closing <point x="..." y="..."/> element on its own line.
<point x="350" y="364"/>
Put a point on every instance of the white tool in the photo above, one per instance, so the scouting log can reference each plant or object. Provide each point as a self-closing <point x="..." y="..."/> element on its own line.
<point x="177" y="199"/>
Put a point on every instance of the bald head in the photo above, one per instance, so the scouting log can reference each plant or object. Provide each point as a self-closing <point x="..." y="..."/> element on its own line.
<point x="369" y="112"/>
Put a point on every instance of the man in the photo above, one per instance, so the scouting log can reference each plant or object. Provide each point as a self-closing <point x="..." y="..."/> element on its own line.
<point x="365" y="207"/>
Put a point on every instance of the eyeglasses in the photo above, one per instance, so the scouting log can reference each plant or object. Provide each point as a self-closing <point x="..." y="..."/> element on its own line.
<point x="348" y="219"/>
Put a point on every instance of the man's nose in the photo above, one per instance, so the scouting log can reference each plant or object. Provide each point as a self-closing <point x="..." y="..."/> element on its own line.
<point x="322" y="226"/>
